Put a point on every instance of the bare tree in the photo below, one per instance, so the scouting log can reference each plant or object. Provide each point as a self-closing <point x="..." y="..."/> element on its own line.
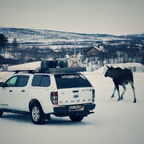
<point x="3" y="42"/>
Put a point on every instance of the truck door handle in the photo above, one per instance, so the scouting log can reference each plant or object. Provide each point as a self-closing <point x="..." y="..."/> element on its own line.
<point x="22" y="90"/>
<point x="75" y="91"/>
<point x="10" y="90"/>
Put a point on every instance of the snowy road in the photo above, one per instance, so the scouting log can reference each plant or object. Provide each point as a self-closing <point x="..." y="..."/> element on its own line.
<point x="112" y="123"/>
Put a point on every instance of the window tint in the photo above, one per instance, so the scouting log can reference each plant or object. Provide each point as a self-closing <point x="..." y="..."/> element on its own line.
<point x="45" y="81"/>
<point x="17" y="81"/>
<point x="36" y="80"/>
<point x="22" y="81"/>
<point x="41" y="80"/>
<point x="71" y="81"/>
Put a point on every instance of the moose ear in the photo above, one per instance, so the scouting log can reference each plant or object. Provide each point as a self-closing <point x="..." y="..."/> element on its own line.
<point x="107" y="66"/>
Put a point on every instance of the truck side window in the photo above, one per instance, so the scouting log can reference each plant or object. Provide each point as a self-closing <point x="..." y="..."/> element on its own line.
<point x="22" y="81"/>
<point x="41" y="80"/>
<point x="11" y="82"/>
<point x="45" y="81"/>
<point x="17" y="81"/>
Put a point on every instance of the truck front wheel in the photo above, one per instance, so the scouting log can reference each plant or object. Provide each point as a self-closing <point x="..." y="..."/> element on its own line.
<point x="76" y="118"/>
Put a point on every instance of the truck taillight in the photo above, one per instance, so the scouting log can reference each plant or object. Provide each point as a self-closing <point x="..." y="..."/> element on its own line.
<point x="54" y="98"/>
<point x="93" y="95"/>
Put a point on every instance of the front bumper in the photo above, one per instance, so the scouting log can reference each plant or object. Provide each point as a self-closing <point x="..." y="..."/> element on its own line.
<point x="66" y="111"/>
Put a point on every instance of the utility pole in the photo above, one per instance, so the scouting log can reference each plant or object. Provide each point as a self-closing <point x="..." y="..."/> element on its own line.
<point x="75" y="49"/>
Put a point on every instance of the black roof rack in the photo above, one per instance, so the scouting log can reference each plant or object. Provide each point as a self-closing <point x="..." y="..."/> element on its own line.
<point x="67" y="70"/>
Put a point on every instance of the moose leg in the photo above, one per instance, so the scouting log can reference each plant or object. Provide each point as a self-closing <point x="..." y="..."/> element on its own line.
<point x="113" y="92"/>
<point x="117" y="87"/>
<point x="133" y="88"/>
<point x="124" y="87"/>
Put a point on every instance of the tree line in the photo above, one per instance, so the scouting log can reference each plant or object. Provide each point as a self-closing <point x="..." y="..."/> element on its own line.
<point x="22" y="54"/>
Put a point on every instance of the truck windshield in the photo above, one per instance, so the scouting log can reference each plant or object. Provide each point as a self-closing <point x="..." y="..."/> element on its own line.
<point x="71" y="81"/>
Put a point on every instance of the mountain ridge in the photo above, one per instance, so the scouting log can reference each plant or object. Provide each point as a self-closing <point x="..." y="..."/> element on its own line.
<point x="54" y="33"/>
<point x="60" y="39"/>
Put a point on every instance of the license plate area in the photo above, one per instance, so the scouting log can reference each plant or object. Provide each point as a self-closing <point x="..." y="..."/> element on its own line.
<point x="76" y="107"/>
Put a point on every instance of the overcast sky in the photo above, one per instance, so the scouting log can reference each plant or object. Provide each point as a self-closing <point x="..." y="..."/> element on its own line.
<point x="116" y="17"/>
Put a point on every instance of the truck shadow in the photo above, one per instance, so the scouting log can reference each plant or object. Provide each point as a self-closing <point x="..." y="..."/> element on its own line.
<point x="16" y="118"/>
<point x="65" y="121"/>
<point x="54" y="120"/>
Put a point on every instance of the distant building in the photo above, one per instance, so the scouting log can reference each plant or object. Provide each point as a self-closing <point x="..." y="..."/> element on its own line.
<point x="97" y="52"/>
<point x="95" y="56"/>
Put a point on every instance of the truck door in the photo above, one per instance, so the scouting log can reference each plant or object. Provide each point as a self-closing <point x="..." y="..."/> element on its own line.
<point x="6" y="96"/>
<point x="20" y="92"/>
<point x="13" y="93"/>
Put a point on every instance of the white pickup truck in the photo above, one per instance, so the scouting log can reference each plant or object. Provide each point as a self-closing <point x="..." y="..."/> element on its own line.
<point x="42" y="94"/>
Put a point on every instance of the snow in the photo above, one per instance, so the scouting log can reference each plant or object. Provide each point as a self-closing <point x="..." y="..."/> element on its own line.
<point x="112" y="123"/>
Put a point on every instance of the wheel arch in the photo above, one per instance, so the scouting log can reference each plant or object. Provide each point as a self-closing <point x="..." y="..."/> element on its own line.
<point x="34" y="101"/>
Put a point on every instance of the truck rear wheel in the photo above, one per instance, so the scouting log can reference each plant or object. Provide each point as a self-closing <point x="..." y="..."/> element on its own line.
<point x="37" y="114"/>
<point x="76" y="118"/>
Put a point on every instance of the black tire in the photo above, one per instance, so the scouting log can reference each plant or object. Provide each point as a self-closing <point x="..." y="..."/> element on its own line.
<point x="76" y="118"/>
<point x="1" y="113"/>
<point x="37" y="114"/>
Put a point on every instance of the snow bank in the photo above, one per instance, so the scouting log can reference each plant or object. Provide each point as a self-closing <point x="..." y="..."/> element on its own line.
<point x="113" y="122"/>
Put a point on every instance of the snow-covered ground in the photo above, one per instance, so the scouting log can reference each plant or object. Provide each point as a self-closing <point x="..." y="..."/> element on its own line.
<point x="112" y="123"/>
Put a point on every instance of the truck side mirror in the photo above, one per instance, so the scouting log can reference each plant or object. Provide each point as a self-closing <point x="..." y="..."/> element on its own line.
<point x="1" y="84"/>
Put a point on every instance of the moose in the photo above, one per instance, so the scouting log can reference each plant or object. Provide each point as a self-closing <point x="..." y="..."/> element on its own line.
<point x="121" y="77"/>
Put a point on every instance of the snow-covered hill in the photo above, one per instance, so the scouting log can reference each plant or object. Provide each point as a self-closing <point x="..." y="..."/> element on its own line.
<point x="59" y="39"/>
<point x="24" y="35"/>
